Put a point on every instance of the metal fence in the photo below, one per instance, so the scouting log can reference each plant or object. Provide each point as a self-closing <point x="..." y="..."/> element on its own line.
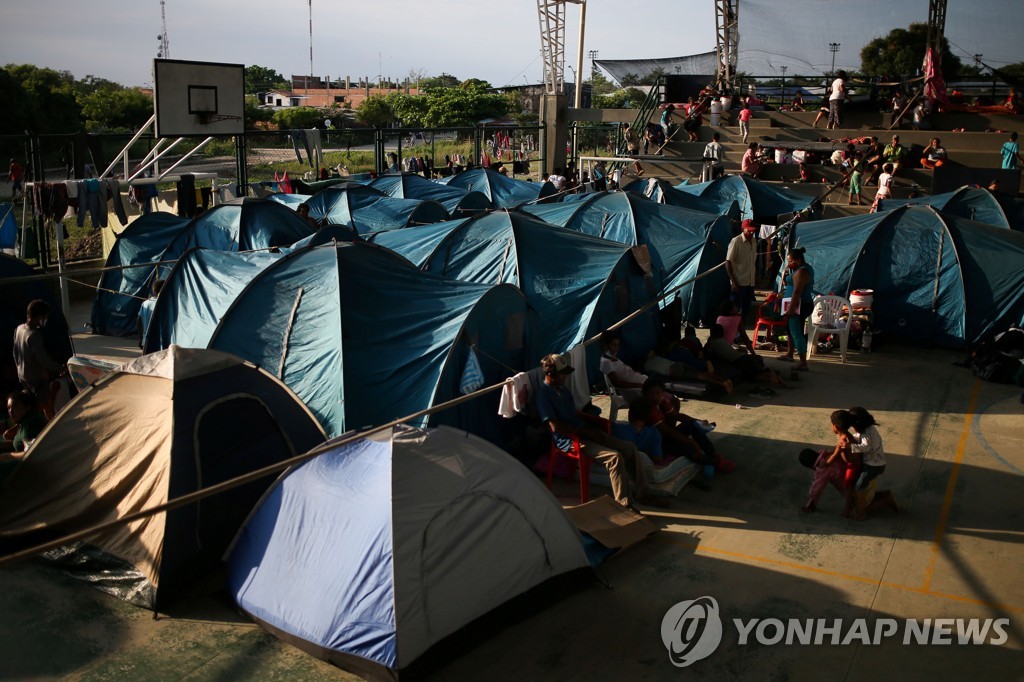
<point x="356" y="152"/>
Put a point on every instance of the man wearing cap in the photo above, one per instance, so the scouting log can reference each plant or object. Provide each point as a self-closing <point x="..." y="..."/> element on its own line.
<point x="556" y="408"/>
<point x="741" y="264"/>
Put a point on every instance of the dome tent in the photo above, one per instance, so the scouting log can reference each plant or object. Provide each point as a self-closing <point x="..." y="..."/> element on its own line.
<point x="380" y="552"/>
<point x="161" y="426"/>
<point x="758" y="201"/>
<point x="973" y="203"/>
<point x="459" y="203"/>
<point x="240" y="225"/>
<point x="503" y="191"/>
<point x="363" y="337"/>
<point x="682" y="243"/>
<point x="936" y="277"/>
<point x="576" y="285"/>
<point x="367" y="212"/>
<point x="119" y="295"/>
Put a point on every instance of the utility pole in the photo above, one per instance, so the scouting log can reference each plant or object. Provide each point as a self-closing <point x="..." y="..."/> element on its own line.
<point x="592" y="54"/>
<point x="783" y="83"/>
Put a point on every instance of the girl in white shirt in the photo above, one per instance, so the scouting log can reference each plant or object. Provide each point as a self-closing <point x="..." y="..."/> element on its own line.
<point x="867" y="442"/>
<point x="884" y="187"/>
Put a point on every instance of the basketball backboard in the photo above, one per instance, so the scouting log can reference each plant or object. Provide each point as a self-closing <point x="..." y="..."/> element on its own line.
<point x="198" y="99"/>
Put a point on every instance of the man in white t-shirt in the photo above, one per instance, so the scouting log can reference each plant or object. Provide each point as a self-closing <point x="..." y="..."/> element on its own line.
<point x="557" y="179"/>
<point x="837" y="96"/>
<point x="714" y="158"/>
<point x="627" y="381"/>
<point x="741" y="264"/>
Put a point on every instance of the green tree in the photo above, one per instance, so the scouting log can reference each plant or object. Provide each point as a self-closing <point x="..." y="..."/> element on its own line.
<point x="409" y="111"/>
<point x="452" y="107"/>
<point x="375" y="111"/>
<point x="254" y="113"/>
<point x="445" y="80"/>
<point x="476" y="83"/>
<point x="298" y="117"/>
<point x="599" y="85"/>
<point x="901" y="52"/>
<point x="1013" y="70"/>
<point x="41" y="100"/>
<point x="263" y="78"/>
<point x="626" y="98"/>
<point x="115" y="107"/>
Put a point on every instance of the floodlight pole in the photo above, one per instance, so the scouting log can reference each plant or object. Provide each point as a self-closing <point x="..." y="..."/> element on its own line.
<point x="833" y="48"/>
<point x="783" y="83"/>
<point x="578" y="101"/>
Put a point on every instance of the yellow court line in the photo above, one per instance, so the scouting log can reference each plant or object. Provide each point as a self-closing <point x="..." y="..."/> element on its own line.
<point x="835" y="574"/>
<point x="947" y="501"/>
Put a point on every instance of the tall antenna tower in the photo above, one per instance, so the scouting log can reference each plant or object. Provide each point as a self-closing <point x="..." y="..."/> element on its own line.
<point x="164" y="52"/>
<point x="310" y="44"/>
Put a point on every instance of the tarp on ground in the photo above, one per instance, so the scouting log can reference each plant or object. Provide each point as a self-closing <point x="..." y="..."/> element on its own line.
<point x="376" y="551"/>
<point x="576" y="285"/>
<point x="503" y="191"/>
<point x="367" y="212"/>
<point x="363" y="337"/>
<point x="240" y="225"/>
<point x="157" y="428"/>
<point x="936" y="277"/>
<point x="197" y="293"/>
<point x="459" y="203"/>
<point x="14" y="300"/>
<point x="682" y="243"/>
<point x="973" y="203"/>
<point x="758" y="201"/>
<point x="119" y="296"/>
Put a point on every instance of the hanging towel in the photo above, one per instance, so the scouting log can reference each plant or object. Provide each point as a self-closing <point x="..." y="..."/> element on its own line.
<point x="579" y="385"/>
<point x="297" y="136"/>
<point x="472" y="375"/>
<point x="515" y="396"/>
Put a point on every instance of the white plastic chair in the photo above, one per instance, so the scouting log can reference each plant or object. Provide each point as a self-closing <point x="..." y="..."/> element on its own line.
<point x="616" y="402"/>
<point x="827" y="318"/>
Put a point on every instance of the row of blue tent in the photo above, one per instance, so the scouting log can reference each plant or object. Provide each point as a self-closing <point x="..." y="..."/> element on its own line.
<point x="347" y="323"/>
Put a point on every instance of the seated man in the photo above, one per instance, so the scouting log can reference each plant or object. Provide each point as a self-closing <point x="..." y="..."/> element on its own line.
<point x="894" y="154"/>
<point x="556" y="408"/>
<point x="747" y="365"/>
<point x="934" y="155"/>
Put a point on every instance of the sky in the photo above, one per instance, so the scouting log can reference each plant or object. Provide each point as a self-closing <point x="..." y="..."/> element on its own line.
<point x="495" y="40"/>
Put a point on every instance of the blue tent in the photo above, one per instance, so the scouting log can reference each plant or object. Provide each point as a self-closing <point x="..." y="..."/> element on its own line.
<point x="367" y="212"/>
<point x="757" y="200"/>
<point x="936" y="277"/>
<point x="197" y="293"/>
<point x="240" y="225"/>
<point x="973" y="203"/>
<point x="14" y="300"/>
<point x="8" y="226"/>
<point x="682" y="243"/>
<point x="119" y="296"/>
<point x="503" y="191"/>
<point x="576" y="285"/>
<point x="318" y="207"/>
<point x="363" y="337"/>
<point x="663" y="192"/>
<point x="459" y="203"/>
<point x="383" y="553"/>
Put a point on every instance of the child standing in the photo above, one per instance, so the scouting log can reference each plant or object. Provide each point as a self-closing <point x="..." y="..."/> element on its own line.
<point x="884" y="188"/>
<point x="745" y="115"/>
<point x="856" y="173"/>
<point x="866" y="441"/>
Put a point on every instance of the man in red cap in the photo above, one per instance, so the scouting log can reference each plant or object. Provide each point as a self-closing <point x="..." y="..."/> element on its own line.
<point x="741" y="264"/>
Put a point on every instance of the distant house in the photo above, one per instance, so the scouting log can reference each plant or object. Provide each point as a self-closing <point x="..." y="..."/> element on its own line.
<point x="281" y="98"/>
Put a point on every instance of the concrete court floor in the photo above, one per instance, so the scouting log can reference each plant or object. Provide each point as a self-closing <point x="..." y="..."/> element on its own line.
<point x="955" y="463"/>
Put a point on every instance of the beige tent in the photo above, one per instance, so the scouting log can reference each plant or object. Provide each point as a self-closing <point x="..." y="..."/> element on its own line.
<point x="161" y="426"/>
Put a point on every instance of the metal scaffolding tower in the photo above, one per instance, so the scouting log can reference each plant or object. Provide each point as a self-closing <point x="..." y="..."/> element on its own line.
<point x="936" y="26"/>
<point x="165" y="43"/>
<point x="727" y="39"/>
<point x="551" y="14"/>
